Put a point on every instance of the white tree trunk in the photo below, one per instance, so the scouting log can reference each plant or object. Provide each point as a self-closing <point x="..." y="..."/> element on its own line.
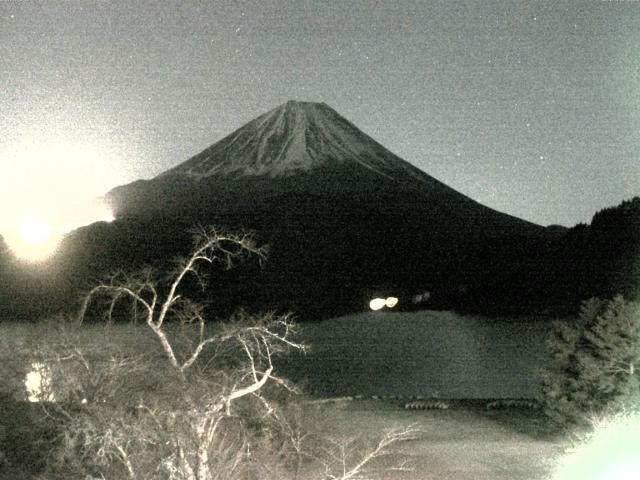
<point x="202" y="454"/>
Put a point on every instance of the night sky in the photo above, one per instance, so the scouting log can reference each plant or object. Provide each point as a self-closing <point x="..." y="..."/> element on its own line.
<point x="532" y="108"/>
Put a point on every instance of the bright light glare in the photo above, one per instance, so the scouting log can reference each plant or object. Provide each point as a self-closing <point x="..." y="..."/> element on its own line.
<point x="51" y="188"/>
<point x="377" y="303"/>
<point x="38" y="383"/>
<point x="32" y="238"/>
<point x="391" y="302"/>
<point x="612" y="453"/>
<point x="33" y="229"/>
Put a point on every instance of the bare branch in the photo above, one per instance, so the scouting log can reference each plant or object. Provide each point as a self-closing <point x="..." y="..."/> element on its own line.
<point x="204" y="408"/>
<point x="254" y="387"/>
<point x="251" y="360"/>
<point x="210" y="248"/>
<point x="126" y="461"/>
<point x="115" y="292"/>
<point x="196" y="353"/>
<point x="344" y="451"/>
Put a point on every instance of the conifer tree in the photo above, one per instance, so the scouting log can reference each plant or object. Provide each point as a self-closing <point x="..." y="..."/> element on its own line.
<point x="595" y="360"/>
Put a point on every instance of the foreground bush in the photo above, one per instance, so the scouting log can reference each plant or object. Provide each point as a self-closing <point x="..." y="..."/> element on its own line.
<point x="595" y="362"/>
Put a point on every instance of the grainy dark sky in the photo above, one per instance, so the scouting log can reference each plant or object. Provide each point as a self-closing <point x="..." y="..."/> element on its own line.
<point x="532" y="108"/>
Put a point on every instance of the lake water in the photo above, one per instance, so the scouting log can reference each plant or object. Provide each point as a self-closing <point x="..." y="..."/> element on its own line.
<point x="422" y="353"/>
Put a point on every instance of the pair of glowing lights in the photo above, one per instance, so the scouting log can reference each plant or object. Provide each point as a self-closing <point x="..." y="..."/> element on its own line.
<point x="380" y="303"/>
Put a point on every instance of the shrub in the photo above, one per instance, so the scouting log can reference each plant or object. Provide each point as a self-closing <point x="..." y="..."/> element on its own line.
<point x="27" y="436"/>
<point x="124" y="411"/>
<point x="144" y="420"/>
<point x="595" y="361"/>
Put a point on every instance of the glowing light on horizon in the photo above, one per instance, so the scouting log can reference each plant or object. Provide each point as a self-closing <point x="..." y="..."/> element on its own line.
<point x="32" y="238"/>
<point x="377" y="303"/>
<point x="380" y="303"/>
<point x="33" y="229"/>
<point x="53" y="187"/>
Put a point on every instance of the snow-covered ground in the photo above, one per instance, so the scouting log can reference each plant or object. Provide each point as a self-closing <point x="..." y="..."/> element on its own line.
<point x="294" y="137"/>
<point x="455" y="444"/>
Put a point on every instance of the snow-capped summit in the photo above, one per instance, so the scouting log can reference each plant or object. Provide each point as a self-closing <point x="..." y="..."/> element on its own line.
<point x="343" y="216"/>
<point x="303" y="152"/>
<point x="293" y="137"/>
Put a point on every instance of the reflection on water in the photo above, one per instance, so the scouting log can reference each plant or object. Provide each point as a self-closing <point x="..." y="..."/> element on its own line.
<point x="38" y="383"/>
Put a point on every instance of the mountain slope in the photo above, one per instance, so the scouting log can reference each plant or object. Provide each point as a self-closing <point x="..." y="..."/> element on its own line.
<point x="344" y="216"/>
<point x="302" y="148"/>
<point x="345" y="219"/>
<point x="292" y="138"/>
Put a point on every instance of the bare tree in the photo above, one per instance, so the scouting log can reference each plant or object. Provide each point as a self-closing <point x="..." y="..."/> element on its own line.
<point x="258" y="338"/>
<point x="211" y="247"/>
<point x="185" y="410"/>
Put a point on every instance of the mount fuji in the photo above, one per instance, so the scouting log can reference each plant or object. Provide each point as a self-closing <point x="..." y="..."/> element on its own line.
<point x="345" y="219"/>
<point x="308" y="149"/>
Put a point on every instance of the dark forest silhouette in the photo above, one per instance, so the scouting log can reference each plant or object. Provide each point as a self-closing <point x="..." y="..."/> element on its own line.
<point x="317" y="270"/>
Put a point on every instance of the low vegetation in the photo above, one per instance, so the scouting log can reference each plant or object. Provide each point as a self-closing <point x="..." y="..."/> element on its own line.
<point x="170" y="398"/>
<point x="595" y="360"/>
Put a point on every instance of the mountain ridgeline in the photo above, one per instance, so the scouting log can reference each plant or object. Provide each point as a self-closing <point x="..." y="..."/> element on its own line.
<point x="346" y="220"/>
<point x="296" y="151"/>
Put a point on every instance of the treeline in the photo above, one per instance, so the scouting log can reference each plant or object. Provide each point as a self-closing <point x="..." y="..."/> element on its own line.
<point x="334" y="262"/>
<point x="561" y="268"/>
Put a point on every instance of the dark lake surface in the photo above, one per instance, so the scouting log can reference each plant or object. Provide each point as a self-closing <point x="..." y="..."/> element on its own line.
<point x="425" y="353"/>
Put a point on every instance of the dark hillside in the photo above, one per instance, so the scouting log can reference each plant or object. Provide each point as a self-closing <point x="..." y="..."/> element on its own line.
<point x="345" y="220"/>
